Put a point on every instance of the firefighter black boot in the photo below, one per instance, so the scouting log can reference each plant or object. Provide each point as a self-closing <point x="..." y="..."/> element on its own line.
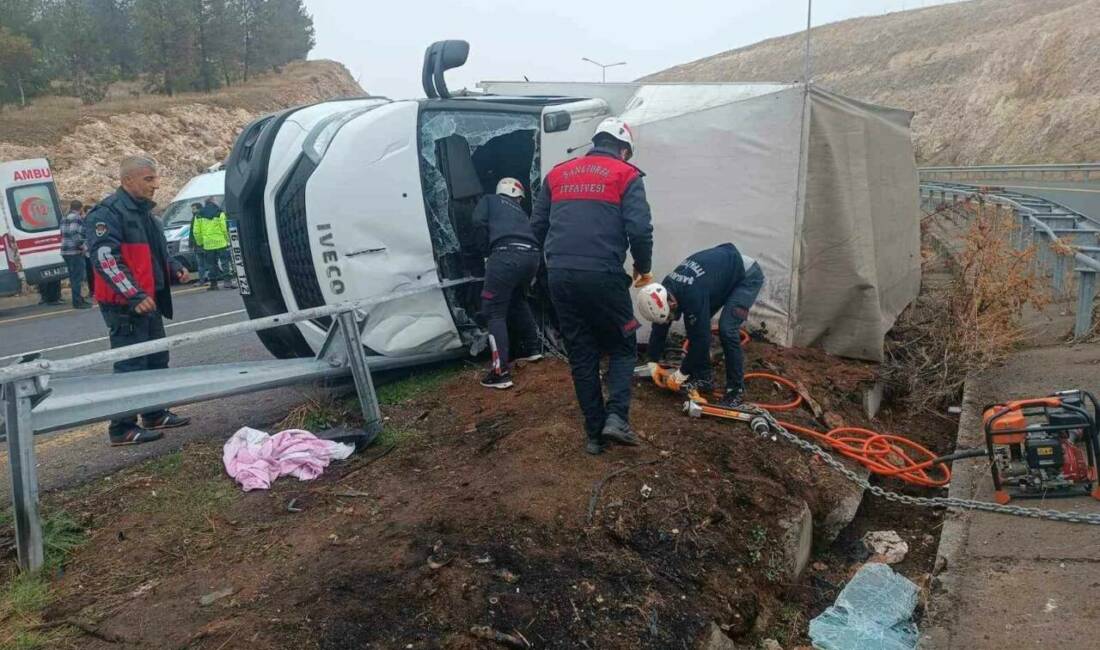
<point x="618" y="430"/>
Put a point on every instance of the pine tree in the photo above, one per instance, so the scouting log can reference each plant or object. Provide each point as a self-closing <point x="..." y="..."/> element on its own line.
<point x="17" y="57"/>
<point x="168" y="36"/>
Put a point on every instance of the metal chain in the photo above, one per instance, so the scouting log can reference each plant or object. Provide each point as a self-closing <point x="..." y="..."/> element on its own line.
<point x="928" y="502"/>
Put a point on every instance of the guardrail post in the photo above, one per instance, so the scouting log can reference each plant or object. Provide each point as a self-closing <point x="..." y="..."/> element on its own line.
<point x="1059" y="279"/>
<point x="360" y="371"/>
<point x="1044" y="252"/>
<point x="18" y="397"/>
<point x="1086" y="291"/>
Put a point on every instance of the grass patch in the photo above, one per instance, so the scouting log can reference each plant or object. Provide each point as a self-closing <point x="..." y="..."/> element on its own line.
<point x="395" y="436"/>
<point x="166" y="466"/>
<point x="323" y="413"/>
<point x="417" y="384"/>
<point x="27" y="594"/>
<point x="61" y="535"/>
<point x="192" y="502"/>
<point x="24" y="597"/>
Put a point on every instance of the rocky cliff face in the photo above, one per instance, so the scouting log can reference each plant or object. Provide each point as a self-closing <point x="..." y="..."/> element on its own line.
<point x="990" y="81"/>
<point x="185" y="135"/>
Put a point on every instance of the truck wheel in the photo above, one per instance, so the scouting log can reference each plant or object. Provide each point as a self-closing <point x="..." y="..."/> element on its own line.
<point x="51" y="291"/>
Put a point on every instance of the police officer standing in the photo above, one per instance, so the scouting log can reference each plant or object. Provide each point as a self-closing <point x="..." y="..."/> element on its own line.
<point x="502" y="230"/>
<point x="589" y="210"/>
<point x="716" y="279"/>
<point x="130" y="257"/>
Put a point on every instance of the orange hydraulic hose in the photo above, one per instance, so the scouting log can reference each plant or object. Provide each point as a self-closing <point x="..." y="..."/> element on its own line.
<point x="883" y="454"/>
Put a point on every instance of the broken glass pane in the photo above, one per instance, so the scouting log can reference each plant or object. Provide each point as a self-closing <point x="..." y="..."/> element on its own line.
<point x="874" y="610"/>
<point x="477" y="128"/>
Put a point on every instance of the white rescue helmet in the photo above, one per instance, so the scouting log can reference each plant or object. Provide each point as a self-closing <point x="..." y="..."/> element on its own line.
<point x="617" y="129"/>
<point x="510" y="187"/>
<point x="653" y="304"/>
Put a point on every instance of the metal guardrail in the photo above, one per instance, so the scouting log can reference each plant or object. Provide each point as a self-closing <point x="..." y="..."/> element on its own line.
<point x="1086" y="171"/>
<point x="33" y="403"/>
<point x="1034" y="213"/>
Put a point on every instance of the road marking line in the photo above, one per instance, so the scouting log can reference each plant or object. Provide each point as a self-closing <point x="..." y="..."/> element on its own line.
<point x="66" y="311"/>
<point x="104" y="338"/>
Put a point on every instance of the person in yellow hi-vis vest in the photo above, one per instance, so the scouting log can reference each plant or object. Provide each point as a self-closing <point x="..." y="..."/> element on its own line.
<point x="211" y="235"/>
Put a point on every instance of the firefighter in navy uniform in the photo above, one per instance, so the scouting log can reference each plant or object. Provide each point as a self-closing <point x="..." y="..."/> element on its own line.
<point x="716" y="279"/>
<point x="588" y="212"/>
<point x="502" y="230"/>
<point x="129" y="255"/>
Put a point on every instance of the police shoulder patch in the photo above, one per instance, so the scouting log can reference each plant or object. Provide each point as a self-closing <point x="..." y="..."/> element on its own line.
<point x="100" y="229"/>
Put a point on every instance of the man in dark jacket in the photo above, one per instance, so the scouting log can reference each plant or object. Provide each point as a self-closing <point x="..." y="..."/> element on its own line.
<point x="133" y="287"/>
<point x="502" y="231"/>
<point x="712" y="280"/>
<point x="588" y="212"/>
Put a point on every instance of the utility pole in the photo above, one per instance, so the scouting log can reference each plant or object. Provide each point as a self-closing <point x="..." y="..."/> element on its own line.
<point x="807" y="72"/>
<point x="603" y="67"/>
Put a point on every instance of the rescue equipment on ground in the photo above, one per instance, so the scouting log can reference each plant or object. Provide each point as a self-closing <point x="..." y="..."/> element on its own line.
<point x="1043" y="447"/>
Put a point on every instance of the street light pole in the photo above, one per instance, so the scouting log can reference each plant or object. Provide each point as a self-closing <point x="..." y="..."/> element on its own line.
<point x="603" y="67"/>
<point x="807" y="70"/>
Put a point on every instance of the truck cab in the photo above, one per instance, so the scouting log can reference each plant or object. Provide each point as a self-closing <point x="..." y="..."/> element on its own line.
<point x="357" y="198"/>
<point x="30" y="236"/>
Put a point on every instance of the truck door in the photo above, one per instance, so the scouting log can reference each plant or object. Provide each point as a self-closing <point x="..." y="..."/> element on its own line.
<point x="33" y="217"/>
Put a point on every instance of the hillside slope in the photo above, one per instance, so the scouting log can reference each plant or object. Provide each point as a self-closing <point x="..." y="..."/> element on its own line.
<point x="990" y="81"/>
<point x="184" y="134"/>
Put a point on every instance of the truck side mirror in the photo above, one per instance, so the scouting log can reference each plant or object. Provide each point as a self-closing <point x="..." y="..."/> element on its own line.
<point x="438" y="58"/>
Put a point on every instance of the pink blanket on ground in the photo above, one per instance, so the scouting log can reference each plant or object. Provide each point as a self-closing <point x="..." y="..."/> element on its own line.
<point x="255" y="458"/>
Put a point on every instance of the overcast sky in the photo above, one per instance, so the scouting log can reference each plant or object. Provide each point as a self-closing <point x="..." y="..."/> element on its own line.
<point x="382" y="41"/>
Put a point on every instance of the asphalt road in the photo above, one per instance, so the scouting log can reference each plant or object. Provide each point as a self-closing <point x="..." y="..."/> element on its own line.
<point x="1082" y="196"/>
<point x="80" y="454"/>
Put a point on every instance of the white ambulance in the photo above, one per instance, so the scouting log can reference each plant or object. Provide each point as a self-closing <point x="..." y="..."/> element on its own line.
<point x="30" y="235"/>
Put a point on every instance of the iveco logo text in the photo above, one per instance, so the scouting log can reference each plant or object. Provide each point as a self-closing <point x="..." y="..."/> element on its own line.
<point x="330" y="258"/>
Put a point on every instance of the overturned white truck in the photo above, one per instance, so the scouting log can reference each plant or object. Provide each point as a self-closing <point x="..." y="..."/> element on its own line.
<point x="356" y="198"/>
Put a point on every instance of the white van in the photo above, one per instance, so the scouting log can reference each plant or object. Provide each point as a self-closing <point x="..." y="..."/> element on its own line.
<point x="177" y="216"/>
<point x="30" y="234"/>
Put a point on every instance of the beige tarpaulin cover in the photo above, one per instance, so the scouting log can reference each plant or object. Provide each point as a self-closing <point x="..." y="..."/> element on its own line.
<point x="820" y="189"/>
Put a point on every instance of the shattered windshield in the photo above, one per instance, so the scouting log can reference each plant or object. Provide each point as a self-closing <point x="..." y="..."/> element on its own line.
<point x="478" y="129"/>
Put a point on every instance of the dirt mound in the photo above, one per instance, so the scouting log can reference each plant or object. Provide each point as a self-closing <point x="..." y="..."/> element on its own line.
<point x="185" y="134"/>
<point x="991" y="81"/>
<point x="486" y="513"/>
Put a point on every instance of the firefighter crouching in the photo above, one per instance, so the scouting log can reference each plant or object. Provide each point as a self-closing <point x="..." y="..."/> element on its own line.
<point x="133" y="284"/>
<point x="588" y="212"/>
<point x="716" y="279"/>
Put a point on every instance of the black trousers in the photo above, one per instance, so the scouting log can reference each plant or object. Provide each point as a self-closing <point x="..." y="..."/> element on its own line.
<point x="217" y="264"/>
<point x="508" y="273"/>
<point x="126" y="328"/>
<point x="76" y="266"/>
<point x="89" y="275"/>
<point x="596" y="317"/>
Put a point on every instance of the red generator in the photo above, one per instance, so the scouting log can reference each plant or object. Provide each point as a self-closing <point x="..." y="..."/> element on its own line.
<point x="1044" y="447"/>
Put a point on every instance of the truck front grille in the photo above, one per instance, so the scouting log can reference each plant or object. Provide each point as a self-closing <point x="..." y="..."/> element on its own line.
<point x="294" y="236"/>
